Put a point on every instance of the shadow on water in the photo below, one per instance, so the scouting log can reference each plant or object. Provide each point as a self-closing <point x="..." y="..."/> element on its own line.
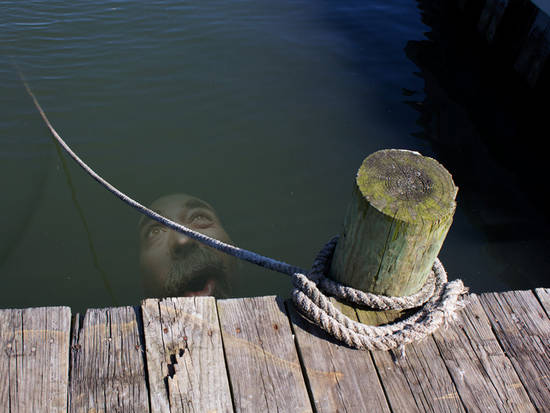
<point x="477" y="116"/>
<point x="487" y="127"/>
<point x="375" y="34"/>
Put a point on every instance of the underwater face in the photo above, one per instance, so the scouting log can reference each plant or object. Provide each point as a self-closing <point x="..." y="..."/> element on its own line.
<point x="172" y="264"/>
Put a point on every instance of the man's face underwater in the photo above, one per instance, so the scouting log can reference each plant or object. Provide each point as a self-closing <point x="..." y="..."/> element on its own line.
<point x="173" y="264"/>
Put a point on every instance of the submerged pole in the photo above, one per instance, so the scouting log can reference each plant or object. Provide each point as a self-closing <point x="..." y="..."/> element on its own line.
<point x="401" y="209"/>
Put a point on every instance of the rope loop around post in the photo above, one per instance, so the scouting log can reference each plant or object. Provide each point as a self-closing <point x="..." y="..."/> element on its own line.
<point x="437" y="301"/>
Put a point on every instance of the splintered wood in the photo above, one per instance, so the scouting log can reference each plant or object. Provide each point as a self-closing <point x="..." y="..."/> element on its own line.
<point x="197" y="354"/>
<point x="185" y="359"/>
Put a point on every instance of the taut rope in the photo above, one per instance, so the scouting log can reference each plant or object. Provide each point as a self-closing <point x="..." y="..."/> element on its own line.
<point x="438" y="298"/>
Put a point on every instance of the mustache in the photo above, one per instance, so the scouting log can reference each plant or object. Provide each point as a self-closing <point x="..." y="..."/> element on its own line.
<point x="198" y="263"/>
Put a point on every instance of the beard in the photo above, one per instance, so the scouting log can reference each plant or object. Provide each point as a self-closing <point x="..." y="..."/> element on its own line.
<point x="202" y="271"/>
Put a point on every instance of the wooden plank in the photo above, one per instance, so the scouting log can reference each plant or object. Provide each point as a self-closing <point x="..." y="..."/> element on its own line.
<point x="484" y="376"/>
<point x="34" y="361"/>
<point x="335" y="373"/>
<point x="185" y="359"/>
<point x="264" y="369"/>
<point x="543" y="295"/>
<point x="523" y="330"/>
<point x="417" y="382"/>
<point x="107" y="362"/>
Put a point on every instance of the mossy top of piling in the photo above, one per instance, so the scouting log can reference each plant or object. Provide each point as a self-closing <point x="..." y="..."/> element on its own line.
<point x="407" y="186"/>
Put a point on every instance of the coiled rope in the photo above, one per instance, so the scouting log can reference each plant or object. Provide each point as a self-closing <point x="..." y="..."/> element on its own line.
<point x="438" y="298"/>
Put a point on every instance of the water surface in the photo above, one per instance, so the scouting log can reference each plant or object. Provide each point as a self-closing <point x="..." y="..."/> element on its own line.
<point x="264" y="109"/>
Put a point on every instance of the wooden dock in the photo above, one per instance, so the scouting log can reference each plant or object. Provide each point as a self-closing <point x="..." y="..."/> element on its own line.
<point x="259" y="355"/>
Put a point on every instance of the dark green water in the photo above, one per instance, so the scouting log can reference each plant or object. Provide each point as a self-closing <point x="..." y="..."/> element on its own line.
<point x="264" y="109"/>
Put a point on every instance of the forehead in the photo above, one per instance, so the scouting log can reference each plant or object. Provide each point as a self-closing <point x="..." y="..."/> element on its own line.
<point x="173" y="205"/>
<point x="177" y="202"/>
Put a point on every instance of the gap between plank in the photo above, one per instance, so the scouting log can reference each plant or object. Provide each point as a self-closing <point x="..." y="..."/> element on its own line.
<point x="225" y="356"/>
<point x="378" y="371"/>
<point x="141" y="331"/>
<point x="518" y="373"/>
<point x="300" y="359"/>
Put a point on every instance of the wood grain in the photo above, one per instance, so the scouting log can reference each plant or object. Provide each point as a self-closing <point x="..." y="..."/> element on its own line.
<point x="417" y="381"/>
<point x="108" y="372"/>
<point x="523" y="330"/>
<point x="264" y="369"/>
<point x="34" y="361"/>
<point x="185" y="359"/>
<point x="543" y="294"/>
<point x="493" y="358"/>
<point x="340" y="379"/>
<point x="484" y="376"/>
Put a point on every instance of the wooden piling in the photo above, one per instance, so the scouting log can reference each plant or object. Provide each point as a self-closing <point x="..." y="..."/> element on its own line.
<point x="401" y="210"/>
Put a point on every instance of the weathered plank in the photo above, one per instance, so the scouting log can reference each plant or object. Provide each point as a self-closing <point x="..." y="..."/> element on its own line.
<point x="484" y="376"/>
<point x="185" y="359"/>
<point x="264" y="369"/>
<point x="34" y="359"/>
<point x="543" y="295"/>
<point x="469" y="365"/>
<point x="418" y="382"/>
<point x="523" y="330"/>
<point x="107" y="362"/>
<point x="340" y="379"/>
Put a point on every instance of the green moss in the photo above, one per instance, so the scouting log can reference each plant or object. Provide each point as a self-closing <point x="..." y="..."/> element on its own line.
<point x="407" y="186"/>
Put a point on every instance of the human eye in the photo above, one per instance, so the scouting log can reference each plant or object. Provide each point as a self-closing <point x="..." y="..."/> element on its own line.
<point x="201" y="220"/>
<point x="154" y="231"/>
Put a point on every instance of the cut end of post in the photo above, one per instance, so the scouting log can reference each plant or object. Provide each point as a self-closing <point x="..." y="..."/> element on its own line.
<point x="407" y="186"/>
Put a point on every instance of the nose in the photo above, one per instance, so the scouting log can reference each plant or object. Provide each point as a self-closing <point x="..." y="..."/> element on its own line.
<point x="180" y="244"/>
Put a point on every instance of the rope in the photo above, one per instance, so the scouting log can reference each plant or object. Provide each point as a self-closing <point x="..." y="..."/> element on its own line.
<point x="436" y="308"/>
<point x="438" y="298"/>
<point x="239" y="253"/>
